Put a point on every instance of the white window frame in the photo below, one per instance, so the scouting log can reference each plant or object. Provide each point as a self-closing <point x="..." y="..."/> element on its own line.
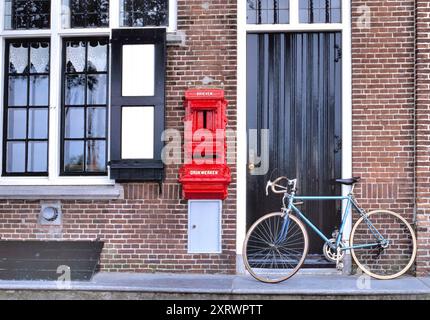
<point x="293" y="26"/>
<point x="56" y="34"/>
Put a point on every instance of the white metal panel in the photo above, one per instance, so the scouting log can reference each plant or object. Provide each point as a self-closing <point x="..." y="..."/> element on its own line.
<point x="204" y="226"/>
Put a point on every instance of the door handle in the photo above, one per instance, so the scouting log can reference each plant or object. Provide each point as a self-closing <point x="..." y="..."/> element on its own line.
<point x="251" y="166"/>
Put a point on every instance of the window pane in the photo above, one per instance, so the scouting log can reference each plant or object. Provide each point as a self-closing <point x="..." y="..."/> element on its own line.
<point x="96" y="153"/>
<point x="27" y="14"/>
<point x="15" y="157"/>
<point x="75" y="123"/>
<point x="97" y="89"/>
<point x="283" y="16"/>
<point x="303" y="15"/>
<point x="74" y="156"/>
<point x="18" y="58"/>
<point x="17" y="124"/>
<point x="138" y="70"/>
<point x="320" y="11"/>
<point x="76" y="21"/>
<point x="85" y="13"/>
<point x="155" y="12"/>
<point x="27" y="107"/>
<point x="137" y="136"/>
<point x="37" y="157"/>
<point x="336" y="15"/>
<point x="39" y="57"/>
<point x="75" y="90"/>
<point x="39" y="90"/>
<point x="140" y="13"/>
<point x="95" y="20"/>
<point x="251" y="12"/>
<point x="76" y="12"/>
<point x="17" y="91"/>
<point x="38" y="123"/>
<point x="97" y="13"/>
<point x="268" y="11"/>
<point x="88" y="89"/>
<point x="97" y="56"/>
<point x="75" y="56"/>
<point x="96" y="122"/>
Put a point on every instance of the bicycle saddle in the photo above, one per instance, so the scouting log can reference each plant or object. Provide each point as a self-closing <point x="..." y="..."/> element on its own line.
<point x="348" y="182"/>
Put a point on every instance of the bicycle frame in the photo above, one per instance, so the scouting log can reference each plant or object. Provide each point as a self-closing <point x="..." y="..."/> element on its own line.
<point x="351" y="203"/>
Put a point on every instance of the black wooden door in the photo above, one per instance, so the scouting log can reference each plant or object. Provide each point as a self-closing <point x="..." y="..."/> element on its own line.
<point x="294" y="92"/>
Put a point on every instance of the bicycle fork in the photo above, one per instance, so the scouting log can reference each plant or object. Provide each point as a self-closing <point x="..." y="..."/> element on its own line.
<point x="284" y="229"/>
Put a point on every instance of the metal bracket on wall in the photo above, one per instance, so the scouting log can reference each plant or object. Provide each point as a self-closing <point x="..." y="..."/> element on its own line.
<point x="338" y="53"/>
<point x="178" y="38"/>
<point x="160" y="187"/>
<point x="338" y="144"/>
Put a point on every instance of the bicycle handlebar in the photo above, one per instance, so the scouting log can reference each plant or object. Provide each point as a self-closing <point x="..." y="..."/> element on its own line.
<point x="275" y="184"/>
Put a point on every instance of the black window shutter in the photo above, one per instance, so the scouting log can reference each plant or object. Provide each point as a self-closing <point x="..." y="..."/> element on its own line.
<point x="137" y="169"/>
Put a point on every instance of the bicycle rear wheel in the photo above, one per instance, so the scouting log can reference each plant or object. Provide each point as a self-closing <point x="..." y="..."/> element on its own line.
<point x="275" y="248"/>
<point x="387" y="260"/>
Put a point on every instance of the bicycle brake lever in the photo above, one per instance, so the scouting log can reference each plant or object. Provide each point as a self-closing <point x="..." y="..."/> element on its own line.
<point x="269" y="184"/>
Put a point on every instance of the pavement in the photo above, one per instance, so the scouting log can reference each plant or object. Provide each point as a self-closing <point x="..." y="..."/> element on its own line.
<point x="133" y="286"/>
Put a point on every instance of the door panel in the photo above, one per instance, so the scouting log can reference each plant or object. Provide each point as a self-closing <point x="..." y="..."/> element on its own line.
<point x="294" y="91"/>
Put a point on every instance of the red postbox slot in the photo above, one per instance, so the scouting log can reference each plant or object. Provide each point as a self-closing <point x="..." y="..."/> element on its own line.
<point x="206" y="110"/>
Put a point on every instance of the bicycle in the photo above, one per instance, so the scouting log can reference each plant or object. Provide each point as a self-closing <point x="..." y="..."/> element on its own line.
<point x="382" y="243"/>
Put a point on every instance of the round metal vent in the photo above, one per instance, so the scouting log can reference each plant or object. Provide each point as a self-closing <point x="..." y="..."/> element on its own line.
<point x="50" y="214"/>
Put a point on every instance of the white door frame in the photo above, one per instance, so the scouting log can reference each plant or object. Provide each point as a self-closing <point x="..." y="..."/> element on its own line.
<point x="294" y="26"/>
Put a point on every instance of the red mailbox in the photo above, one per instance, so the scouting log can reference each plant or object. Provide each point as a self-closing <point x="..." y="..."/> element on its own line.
<point x="205" y="174"/>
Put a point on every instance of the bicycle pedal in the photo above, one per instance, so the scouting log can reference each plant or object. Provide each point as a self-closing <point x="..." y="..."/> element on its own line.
<point x="298" y="203"/>
<point x="339" y="266"/>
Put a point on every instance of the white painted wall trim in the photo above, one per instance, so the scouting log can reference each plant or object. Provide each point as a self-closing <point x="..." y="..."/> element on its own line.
<point x="78" y="192"/>
<point x="114" y="12"/>
<point x="173" y="16"/>
<point x="242" y="148"/>
<point x="294" y="26"/>
<point x="55" y="93"/>
<point x="346" y="105"/>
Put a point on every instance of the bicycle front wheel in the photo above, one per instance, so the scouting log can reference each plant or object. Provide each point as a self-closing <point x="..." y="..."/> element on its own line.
<point x="395" y="249"/>
<point x="275" y="247"/>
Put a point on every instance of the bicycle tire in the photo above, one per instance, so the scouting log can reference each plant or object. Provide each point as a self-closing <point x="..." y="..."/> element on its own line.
<point x="277" y="273"/>
<point x="402" y="247"/>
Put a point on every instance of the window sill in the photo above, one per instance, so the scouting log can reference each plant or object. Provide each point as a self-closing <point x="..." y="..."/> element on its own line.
<point x="106" y="192"/>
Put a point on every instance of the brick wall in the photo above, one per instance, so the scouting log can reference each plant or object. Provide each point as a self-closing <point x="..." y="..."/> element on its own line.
<point x="383" y="105"/>
<point x="147" y="231"/>
<point x="423" y="136"/>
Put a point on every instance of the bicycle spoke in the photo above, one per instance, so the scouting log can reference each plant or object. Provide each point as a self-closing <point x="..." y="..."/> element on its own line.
<point x="272" y="252"/>
<point x="396" y="250"/>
